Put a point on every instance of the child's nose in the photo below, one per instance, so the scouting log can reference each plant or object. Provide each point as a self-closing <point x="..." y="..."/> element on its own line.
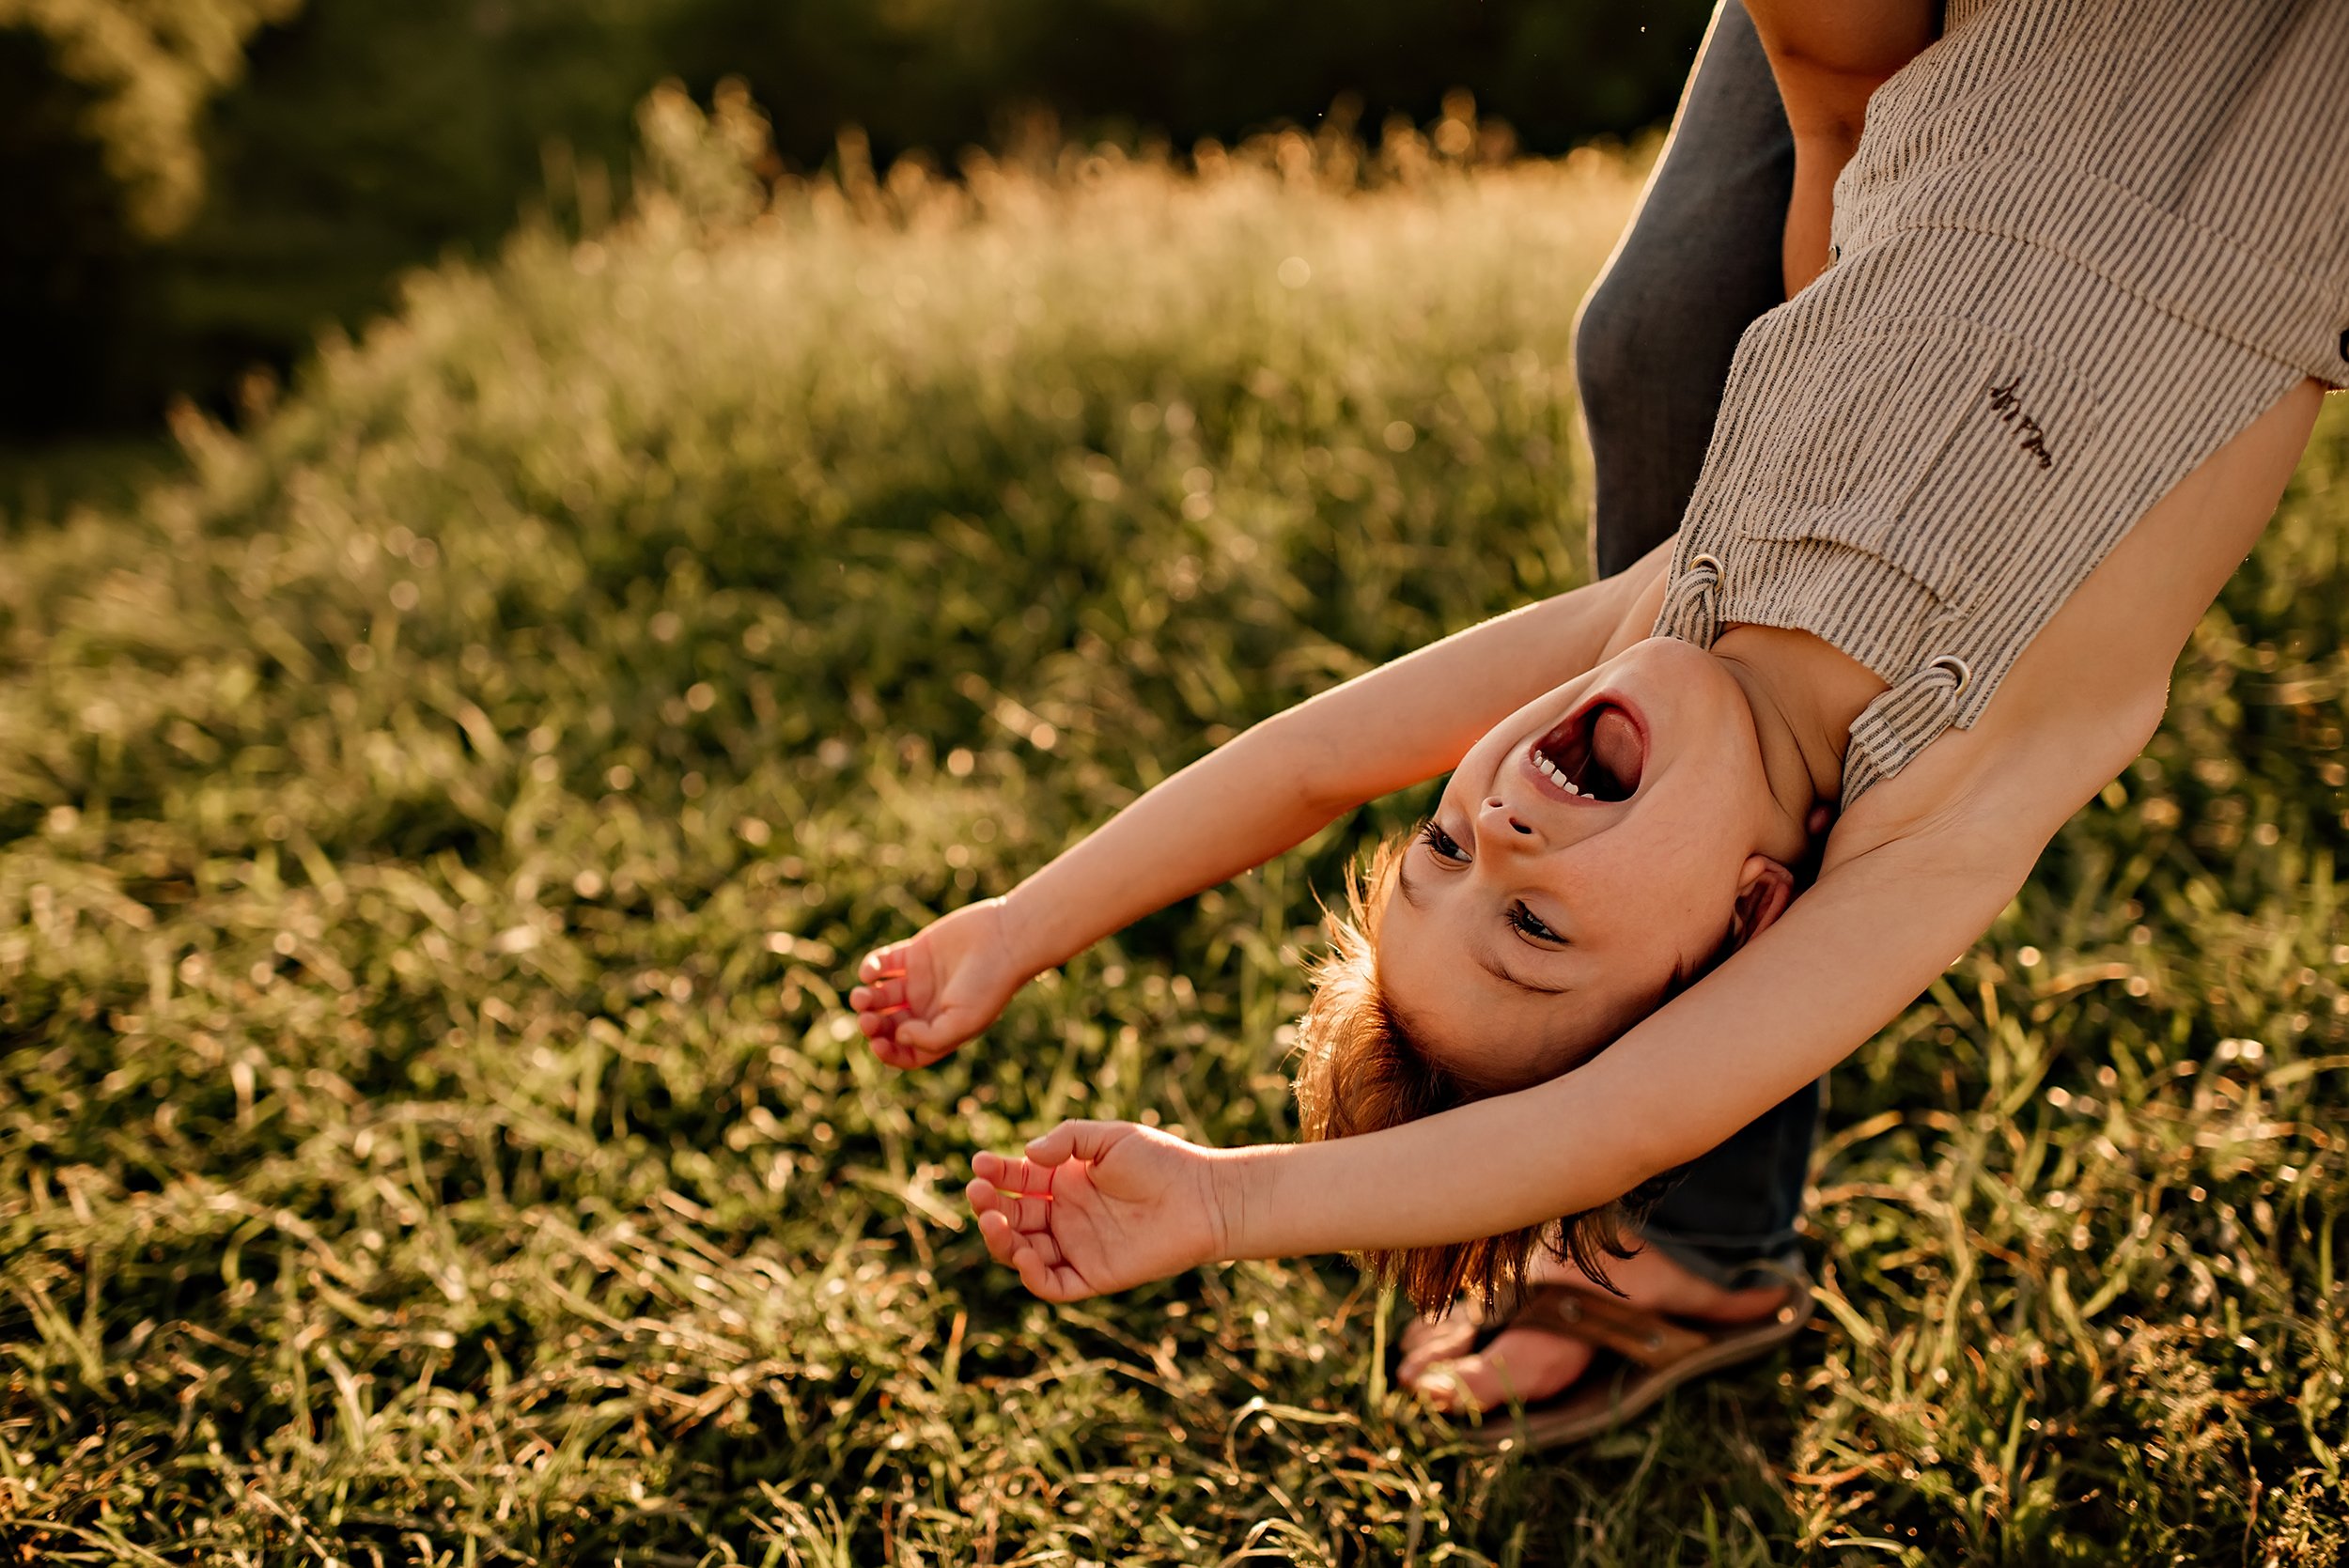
<point x="1495" y="803"/>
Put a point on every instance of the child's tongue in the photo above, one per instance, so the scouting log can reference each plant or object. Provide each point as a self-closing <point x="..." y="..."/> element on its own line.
<point x="1615" y="742"/>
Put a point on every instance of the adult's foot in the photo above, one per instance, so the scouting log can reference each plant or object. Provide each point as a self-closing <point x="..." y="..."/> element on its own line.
<point x="1442" y="1364"/>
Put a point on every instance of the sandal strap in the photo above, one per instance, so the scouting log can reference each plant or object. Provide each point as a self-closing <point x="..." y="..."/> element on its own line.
<point x="1649" y="1338"/>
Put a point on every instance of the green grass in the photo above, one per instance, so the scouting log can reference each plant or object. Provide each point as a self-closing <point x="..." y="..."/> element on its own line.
<point x="434" y="835"/>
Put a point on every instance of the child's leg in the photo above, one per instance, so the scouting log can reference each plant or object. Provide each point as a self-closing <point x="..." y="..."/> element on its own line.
<point x="1703" y="257"/>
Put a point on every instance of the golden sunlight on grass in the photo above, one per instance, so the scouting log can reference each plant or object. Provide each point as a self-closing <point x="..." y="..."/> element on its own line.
<point x="433" y="838"/>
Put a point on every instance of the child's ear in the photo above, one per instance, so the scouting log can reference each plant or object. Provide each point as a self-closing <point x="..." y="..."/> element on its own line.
<point x="1765" y="888"/>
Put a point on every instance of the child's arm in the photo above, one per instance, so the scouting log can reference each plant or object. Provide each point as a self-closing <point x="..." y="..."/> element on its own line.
<point x="1844" y="960"/>
<point x="1882" y="921"/>
<point x="1914" y="872"/>
<point x="1265" y="792"/>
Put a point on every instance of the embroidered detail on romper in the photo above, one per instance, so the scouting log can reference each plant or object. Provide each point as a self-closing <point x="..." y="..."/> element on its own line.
<point x="2007" y="403"/>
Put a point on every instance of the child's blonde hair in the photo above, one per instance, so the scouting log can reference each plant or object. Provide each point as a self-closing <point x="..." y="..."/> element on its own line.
<point x="1358" y="1070"/>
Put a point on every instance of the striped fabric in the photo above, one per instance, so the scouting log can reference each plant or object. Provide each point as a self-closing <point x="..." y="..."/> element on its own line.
<point x="2081" y="244"/>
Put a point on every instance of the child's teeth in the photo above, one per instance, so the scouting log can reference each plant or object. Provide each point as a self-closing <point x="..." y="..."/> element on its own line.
<point x="1557" y="774"/>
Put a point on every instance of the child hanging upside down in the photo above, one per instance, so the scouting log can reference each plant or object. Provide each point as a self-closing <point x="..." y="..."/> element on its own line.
<point x="1967" y="495"/>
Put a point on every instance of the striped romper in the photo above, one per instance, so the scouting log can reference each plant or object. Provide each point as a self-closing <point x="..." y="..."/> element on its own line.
<point x="2081" y="245"/>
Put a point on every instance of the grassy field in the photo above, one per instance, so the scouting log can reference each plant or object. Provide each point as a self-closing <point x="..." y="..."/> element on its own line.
<point x="434" y="835"/>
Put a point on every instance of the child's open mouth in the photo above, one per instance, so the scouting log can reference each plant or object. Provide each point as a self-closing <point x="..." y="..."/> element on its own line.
<point x="1594" y="754"/>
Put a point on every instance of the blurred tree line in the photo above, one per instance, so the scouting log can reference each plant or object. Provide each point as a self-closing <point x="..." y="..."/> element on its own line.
<point x="195" y="187"/>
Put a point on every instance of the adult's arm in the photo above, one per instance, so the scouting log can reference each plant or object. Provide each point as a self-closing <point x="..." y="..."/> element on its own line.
<point x="1829" y="57"/>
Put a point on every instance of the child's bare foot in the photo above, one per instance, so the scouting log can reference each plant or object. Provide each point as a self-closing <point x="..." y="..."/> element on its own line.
<point x="1532" y="1364"/>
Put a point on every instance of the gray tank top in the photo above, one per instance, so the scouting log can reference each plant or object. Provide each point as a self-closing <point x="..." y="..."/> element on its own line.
<point x="2081" y="245"/>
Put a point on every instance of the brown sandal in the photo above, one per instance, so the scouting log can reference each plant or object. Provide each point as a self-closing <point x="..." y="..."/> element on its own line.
<point x="1653" y="1354"/>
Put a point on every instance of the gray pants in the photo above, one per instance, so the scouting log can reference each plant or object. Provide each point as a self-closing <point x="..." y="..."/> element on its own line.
<point x="1704" y="257"/>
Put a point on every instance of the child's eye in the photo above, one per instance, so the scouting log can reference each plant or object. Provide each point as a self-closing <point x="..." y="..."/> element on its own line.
<point x="1530" y="923"/>
<point x="1440" y="842"/>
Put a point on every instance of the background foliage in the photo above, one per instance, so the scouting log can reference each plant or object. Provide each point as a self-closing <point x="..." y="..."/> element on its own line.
<point x="144" y="69"/>
<point x="434" y="839"/>
<point x="100" y="107"/>
<point x="367" y="137"/>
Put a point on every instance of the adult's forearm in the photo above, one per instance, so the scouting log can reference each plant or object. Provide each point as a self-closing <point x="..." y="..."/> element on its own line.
<point x="1811" y="207"/>
<point x="1829" y="57"/>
